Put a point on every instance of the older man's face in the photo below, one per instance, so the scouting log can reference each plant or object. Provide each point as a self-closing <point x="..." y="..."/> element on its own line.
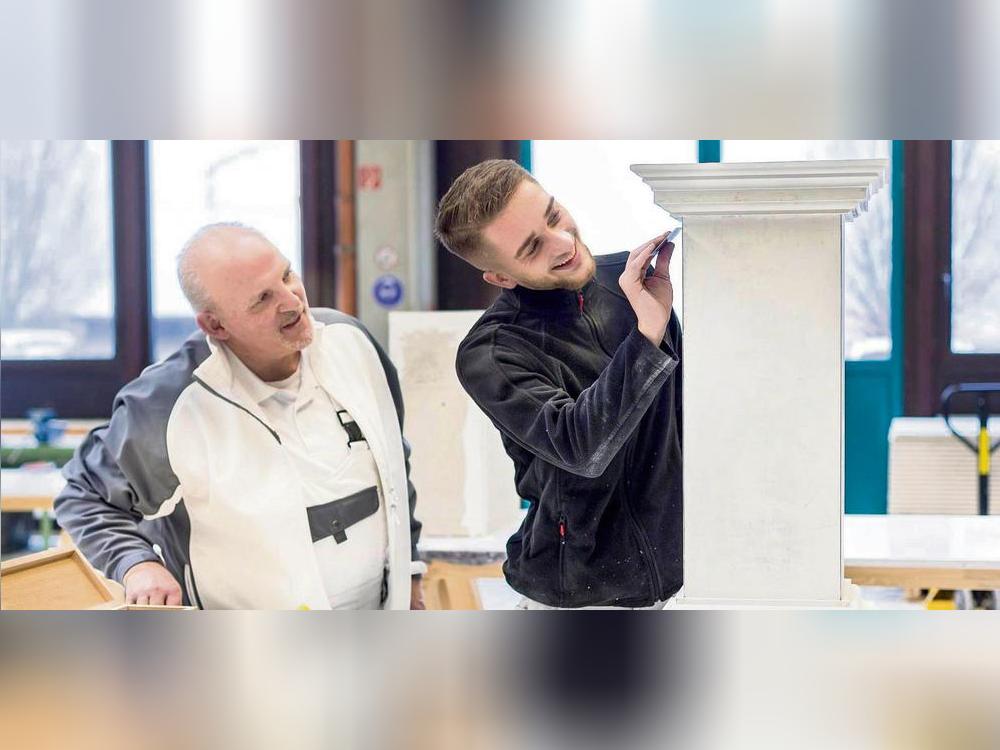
<point x="259" y="301"/>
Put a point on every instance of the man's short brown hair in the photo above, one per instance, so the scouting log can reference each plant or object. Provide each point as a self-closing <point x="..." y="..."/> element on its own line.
<point x="479" y="194"/>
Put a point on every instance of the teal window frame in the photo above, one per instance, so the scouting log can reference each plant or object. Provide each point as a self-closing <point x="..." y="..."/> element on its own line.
<point x="873" y="389"/>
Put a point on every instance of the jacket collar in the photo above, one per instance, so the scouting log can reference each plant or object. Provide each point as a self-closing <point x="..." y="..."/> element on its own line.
<point x="217" y="370"/>
<point x="550" y="300"/>
<point x="260" y="391"/>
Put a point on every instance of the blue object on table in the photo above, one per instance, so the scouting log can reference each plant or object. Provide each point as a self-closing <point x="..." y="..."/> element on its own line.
<point x="45" y="425"/>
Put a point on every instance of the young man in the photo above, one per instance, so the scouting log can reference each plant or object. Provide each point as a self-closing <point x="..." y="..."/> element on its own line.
<point x="261" y="466"/>
<point x="577" y="363"/>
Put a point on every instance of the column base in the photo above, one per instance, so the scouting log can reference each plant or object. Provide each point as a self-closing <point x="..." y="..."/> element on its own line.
<point x="850" y="599"/>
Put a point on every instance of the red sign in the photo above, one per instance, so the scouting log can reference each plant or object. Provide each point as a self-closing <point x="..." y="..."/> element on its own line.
<point x="370" y="177"/>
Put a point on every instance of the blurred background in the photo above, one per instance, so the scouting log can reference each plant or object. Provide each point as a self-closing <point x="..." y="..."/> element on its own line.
<point x="697" y="680"/>
<point x="96" y="196"/>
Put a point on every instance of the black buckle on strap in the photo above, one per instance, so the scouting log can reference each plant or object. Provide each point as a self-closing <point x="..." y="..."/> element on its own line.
<point x="354" y="433"/>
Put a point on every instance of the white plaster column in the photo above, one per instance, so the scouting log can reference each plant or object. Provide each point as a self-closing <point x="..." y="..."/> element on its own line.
<point x="763" y="374"/>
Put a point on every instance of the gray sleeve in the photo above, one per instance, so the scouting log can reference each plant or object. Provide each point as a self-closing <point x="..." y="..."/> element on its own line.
<point x="122" y="471"/>
<point x="98" y="507"/>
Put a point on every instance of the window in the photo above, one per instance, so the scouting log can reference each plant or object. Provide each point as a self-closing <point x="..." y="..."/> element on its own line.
<point x="56" y="251"/>
<point x="952" y="324"/>
<point x="194" y="183"/>
<point x="612" y="206"/>
<point x="78" y="282"/>
<point x="975" y="247"/>
<point x="867" y="240"/>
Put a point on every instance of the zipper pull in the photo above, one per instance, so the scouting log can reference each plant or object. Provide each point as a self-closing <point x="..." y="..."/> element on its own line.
<point x="579" y="300"/>
<point x="562" y="531"/>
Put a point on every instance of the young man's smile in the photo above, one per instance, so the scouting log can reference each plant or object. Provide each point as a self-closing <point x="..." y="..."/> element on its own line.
<point x="535" y="243"/>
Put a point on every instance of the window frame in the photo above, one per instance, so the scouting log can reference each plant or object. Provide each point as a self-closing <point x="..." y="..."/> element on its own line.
<point x="459" y="285"/>
<point x="931" y="365"/>
<point x="72" y="387"/>
<point x="85" y="389"/>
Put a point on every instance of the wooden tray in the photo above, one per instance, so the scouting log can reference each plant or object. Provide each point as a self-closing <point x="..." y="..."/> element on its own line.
<point x="54" y="579"/>
<point x="152" y="608"/>
<point x="452" y="585"/>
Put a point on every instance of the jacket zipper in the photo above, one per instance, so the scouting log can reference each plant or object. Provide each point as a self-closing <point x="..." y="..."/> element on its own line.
<point x="640" y="533"/>
<point x="562" y="559"/>
<point x="654" y="574"/>
<point x="591" y="323"/>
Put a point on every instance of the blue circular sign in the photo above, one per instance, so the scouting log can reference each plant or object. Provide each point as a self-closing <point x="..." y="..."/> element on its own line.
<point x="388" y="290"/>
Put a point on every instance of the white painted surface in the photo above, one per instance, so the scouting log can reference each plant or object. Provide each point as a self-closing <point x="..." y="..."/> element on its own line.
<point x="935" y="427"/>
<point x="762" y="408"/>
<point x="463" y="476"/>
<point x="763" y="375"/>
<point x="930" y="539"/>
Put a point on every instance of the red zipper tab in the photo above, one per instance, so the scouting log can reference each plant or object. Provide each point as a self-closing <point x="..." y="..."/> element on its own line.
<point x="562" y="529"/>
<point x="579" y="299"/>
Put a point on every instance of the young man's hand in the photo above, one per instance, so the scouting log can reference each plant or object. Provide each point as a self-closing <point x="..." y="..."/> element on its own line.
<point x="417" y="593"/>
<point x="151" y="583"/>
<point x="651" y="298"/>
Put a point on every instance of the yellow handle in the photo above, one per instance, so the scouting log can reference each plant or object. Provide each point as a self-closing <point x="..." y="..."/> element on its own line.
<point x="984" y="452"/>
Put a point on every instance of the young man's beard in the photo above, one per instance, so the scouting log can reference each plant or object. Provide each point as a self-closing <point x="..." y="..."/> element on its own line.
<point x="554" y="280"/>
<point x="587" y="264"/>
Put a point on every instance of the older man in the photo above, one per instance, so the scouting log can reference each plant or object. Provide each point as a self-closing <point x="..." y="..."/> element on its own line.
<point x="262" y="465"/>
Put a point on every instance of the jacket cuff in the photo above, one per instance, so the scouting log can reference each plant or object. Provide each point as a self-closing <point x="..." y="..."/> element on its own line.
<point x="667" y="347"/>
<point x="417" y="568"/>
<point x="132" y="559"/>
<point x="657" y="355"/>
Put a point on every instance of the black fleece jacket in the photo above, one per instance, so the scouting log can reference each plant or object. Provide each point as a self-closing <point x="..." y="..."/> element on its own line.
<point x="590" y="412"/>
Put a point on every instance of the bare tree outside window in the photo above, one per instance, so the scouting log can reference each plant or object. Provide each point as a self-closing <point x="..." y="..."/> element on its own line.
<point x="612" y="206"/>
<point x="867" y="241"/>
<point x="975" y="247"/>
<point x="197" y="182"/>
<point x="56" y="253"/>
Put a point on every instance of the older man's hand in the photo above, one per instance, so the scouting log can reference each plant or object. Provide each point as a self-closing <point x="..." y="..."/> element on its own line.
<point x="151" y="583"/>
<point x="416" y="593"/>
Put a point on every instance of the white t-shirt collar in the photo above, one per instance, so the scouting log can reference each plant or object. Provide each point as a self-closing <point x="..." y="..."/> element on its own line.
<point x="260" y="391"/>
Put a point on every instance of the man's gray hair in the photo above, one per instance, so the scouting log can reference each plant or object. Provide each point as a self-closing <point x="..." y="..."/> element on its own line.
<point x="187" y="276"/>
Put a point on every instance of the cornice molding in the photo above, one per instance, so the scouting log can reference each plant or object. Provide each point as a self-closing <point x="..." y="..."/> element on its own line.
<point x="841" y="186"/>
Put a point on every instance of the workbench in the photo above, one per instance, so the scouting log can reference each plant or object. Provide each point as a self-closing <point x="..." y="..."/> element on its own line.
<point x="923" y="551"/>
<point x="31" y="490"/>
<point x="901" y="551"/>
<point x="26" y="490"/>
